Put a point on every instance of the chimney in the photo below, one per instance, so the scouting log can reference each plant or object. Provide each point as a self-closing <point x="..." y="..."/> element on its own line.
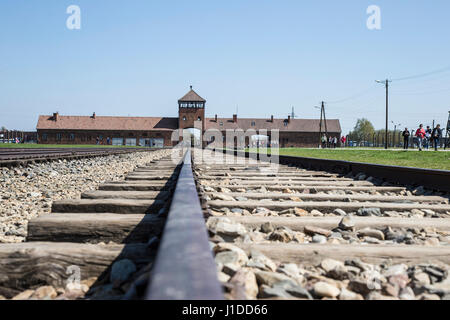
<point x="234" y="118"/>
<point x="215" y="118"/>
<point x="56" y="116"/>
<point x="271" y="118"/>
<point x="93" y="115"/>
<point x="289" y="119"/>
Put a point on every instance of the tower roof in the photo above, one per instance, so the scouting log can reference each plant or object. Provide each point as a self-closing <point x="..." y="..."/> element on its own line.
<point x="192" y="96"/>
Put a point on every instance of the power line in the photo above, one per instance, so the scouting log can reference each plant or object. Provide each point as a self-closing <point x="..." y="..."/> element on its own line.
<point x="431" y="79"/>
<point x="353" y="96"/>
<point x="407" y="93"/>
<point x="422" y="74"/>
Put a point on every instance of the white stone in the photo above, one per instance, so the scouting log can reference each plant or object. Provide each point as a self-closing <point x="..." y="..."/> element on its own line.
<point x="324" y="289"/>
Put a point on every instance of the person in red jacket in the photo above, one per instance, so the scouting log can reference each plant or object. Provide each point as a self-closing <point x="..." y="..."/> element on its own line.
<point x="343" y="140"/>
<point x="420" y="134"/>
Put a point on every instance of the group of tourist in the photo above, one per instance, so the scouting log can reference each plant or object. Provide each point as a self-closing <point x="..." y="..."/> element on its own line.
<point x="331" y="142"/>
<point x="424" y="137"/>
<point x="99" y="140"/>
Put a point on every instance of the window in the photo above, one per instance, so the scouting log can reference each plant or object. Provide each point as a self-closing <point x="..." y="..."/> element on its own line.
<point x="71" y="136"/>
<point x="221" y="123"/>
<point x="285" y="123"/>
<point x="199" y="119"/>
<point x="184" y="118"/>
<point x="157" y="143"/>
<point x="130" y="142"/>
<point x="44" y="137"/>
<point x="117" y="141"/>
<point x="253" y="123"/>
<point x="58" y="137"/>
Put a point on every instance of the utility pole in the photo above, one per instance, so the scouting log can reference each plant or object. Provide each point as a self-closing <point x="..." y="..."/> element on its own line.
<point x="447" y="134"/>
<point x="387" y="114"/>
<point x="386" y="83"/>
<point x="322" y="116"/>
<point x="395" y="131"/>
<point x="320" y="128"/>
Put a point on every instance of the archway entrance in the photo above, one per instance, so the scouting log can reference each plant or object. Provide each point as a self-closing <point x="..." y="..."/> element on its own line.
<point x="193" y="136"/>
<point x="259" y="141"/>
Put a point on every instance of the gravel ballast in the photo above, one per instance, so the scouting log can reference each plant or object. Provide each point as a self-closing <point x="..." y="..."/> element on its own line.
<point x="27" y="192"/>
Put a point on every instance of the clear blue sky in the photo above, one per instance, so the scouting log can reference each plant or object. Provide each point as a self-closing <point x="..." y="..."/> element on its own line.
<point x="138" y="57"/>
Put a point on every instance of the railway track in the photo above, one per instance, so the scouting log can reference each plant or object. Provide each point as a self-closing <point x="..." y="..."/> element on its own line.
<point x="286" y="232"/>
<point x="22" y="156"/>
<point x="90" y="247"/>
<point x="275" y="232"/>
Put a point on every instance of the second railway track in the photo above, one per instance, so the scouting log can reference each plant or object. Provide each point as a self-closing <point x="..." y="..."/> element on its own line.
<point x="22" y="156"/>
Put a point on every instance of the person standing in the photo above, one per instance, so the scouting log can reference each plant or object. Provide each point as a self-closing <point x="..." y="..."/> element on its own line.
<point x="427" y="139"/>
<point x="406" y="135"/>
<point x="324" y="141"/>
<point x="436" y="136"/>
<point x="420" y="134"/>
<point x="343" y="140"/>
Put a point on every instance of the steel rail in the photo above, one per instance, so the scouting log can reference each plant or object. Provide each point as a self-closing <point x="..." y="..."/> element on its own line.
<point x="71" y="154"/>
<point x="185" y="267"/>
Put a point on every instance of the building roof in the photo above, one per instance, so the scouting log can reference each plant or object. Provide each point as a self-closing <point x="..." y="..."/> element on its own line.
<point x="107" y="123"/>
<point x="169" y="124"/>
<point x="192" y="96"/>
<point x="295" y="125"/>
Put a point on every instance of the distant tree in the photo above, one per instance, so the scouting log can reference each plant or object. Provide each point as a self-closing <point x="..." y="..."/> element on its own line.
<point x="362" y="130"/>
<point x="3" y="128"/>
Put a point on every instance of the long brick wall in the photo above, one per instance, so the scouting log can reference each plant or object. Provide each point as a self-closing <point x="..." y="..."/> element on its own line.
<point x="90" y="137"/>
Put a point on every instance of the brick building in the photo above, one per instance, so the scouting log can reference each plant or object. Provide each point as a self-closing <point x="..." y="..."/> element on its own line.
<point x="157" y="131"/>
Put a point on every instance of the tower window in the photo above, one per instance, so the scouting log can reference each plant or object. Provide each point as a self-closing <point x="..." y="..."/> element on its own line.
<point x="199" y="119"/>
<point x="184" y="118"/>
